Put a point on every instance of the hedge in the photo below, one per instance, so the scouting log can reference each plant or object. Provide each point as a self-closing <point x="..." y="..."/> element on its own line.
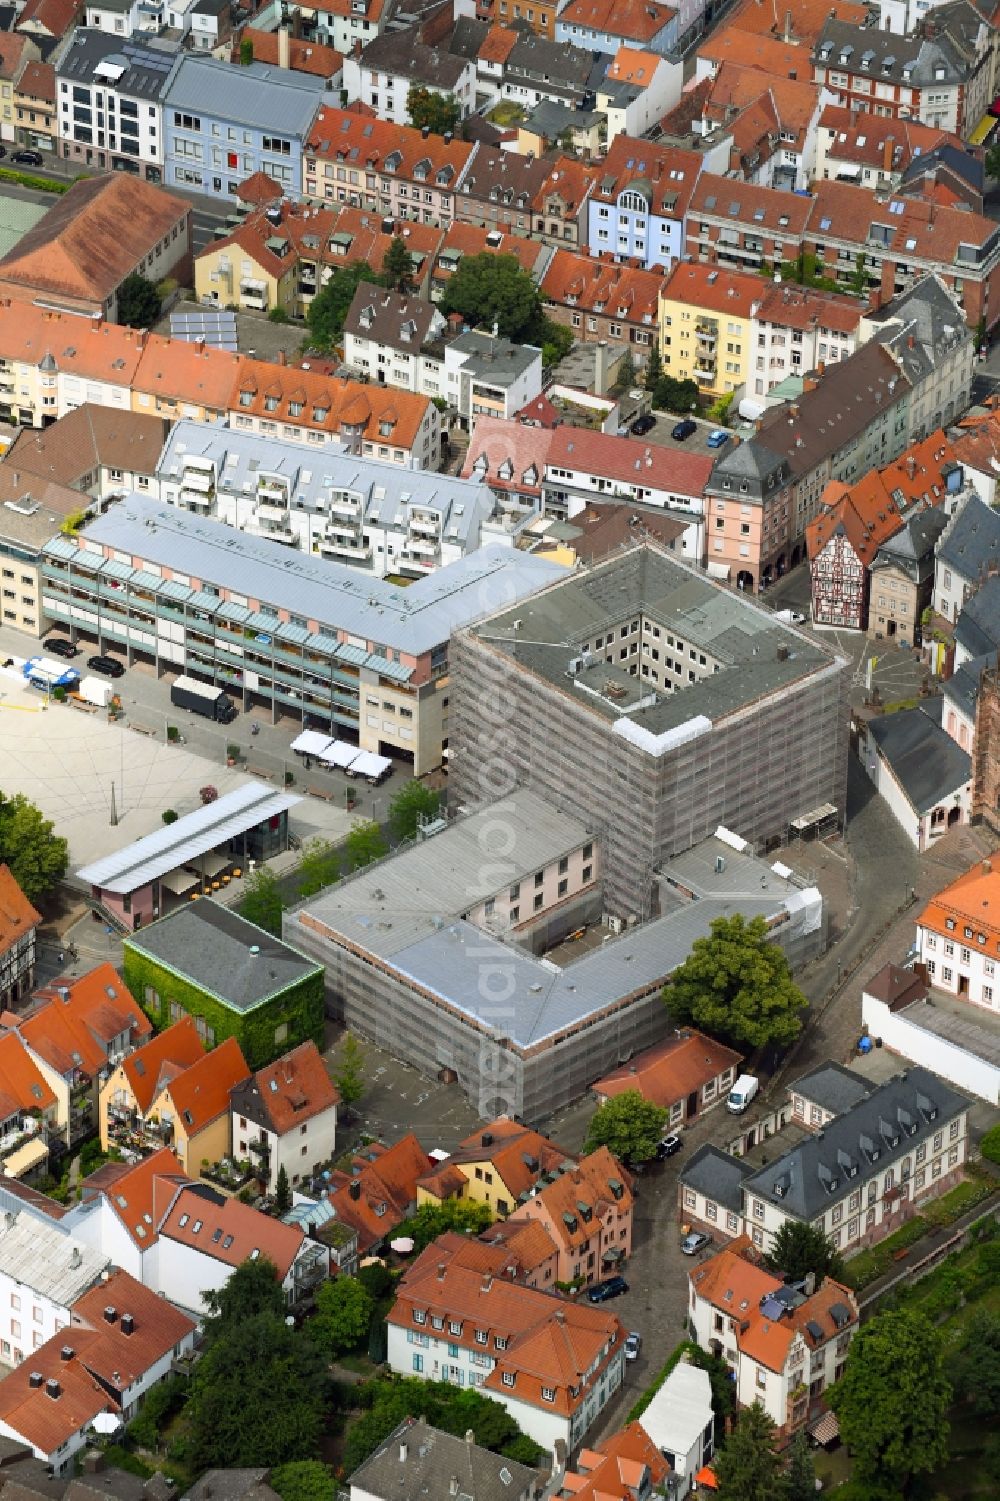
<point x="990" y="1145"/>
<point x="40" y="184"/>
<point x="873" y="1263"/>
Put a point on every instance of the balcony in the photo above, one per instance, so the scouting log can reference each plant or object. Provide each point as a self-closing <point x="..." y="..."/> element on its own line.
<point x="705" y="373"/>
<point x="271" y="510"/>
<point x="272" y="490"/>
<point x="198" y="479"/>
<point x="282" y="534"/>
<point x="418" y="548"/>
<point x="707" y="334"/>
<point x="426" y="524"/>
<point x="345" y="505"/>
<point x="188" y="497"/>
<point x="134" y="1135"/>
<point x="344" y="547"/>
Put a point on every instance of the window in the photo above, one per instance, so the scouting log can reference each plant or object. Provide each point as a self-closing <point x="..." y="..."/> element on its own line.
<point x="509" y="1378"/>
<point x="548" y="1394"/>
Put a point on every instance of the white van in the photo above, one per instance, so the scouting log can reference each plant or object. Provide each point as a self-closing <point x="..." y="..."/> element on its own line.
<point x="742" y="1092"/>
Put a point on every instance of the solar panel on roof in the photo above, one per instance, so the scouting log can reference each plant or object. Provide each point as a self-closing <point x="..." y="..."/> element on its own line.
<point x="216" y="326"/>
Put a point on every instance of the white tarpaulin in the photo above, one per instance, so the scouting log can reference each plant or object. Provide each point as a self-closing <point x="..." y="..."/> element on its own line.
<point x="369" y="765"/>
<point x="311" y="743"/>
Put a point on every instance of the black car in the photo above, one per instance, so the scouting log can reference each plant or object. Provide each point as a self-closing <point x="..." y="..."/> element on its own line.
<point x="643" y="425"/>
<point x="60" y="647"/>
<point x="668" y="1146"/>
<point x="3" y="151"/>
<point x="611" y="1287"/>
<point x="28" y="158"/>
<point x="684" y="429"/>
<point x="106" y="665"/>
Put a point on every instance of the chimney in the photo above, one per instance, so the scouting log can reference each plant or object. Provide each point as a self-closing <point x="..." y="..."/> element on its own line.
<point x="35" y="1380"/>
<point x="110" y="1314"/>
<point x="283" y="48"/>
<point x="809" y="1284"/>
<point x="888" y="147"/>
<point x="140" y="338"/>
<point x="128" y="1324"/>
<point x="470" y="1438"/>
<point x="66" y="1353"/>
<point x="282" y="358"/>
<point x="453" y="1486"/>
<point x="910" y="342"/>
<point x="53" y="1389"/>
<point x="601" y="367"/>
<point x="487" y="1283"/>
<point x="354" y="1190"/>
<point x="442" y="1268"/>
<point x="403" y="1451"/>
<point x="987" y="867"/>
<point x="75" y="1260"/>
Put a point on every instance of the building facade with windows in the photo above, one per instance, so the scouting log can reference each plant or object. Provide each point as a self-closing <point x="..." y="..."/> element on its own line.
<point x="18" y="922"/>
<point x="222" y="124"/>
<point x="354" y="655"/>
<point x="638" y="208"/>
<point x="958" y="942"/>
<point x="109" y="103"/>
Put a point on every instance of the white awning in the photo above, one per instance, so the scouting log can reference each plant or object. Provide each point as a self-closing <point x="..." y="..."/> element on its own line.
<point x="369" y="765"/>
<point x="750" y="410"/>
<point x="340" y="754"/>
<point x="311" y="743"/>
<point x="719" y="570"/>
<point x="212" y="864"/>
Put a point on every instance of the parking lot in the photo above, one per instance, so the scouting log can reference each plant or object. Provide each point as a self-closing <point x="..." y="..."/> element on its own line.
<point x="664" y="424"/>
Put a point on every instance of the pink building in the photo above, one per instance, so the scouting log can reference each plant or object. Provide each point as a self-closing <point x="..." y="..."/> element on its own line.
<point x="588" y="1216"/>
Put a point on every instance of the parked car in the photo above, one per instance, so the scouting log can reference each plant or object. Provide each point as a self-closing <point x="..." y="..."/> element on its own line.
<point x="643" y="425"/>
<point x="633" y="1344"/>
<point x="684" y="429"/>
<point x="668" y="1146"/>
<point x="611" y="1287"/>
<point x="106" y="665"/>
<point x="696" y="1241"/>
<point x="3" y="151"/>
<point x="28" y="158"/>
<point x="717" y="439"/>
<point x="60" y="647"/>
<point x="994" y="108"/>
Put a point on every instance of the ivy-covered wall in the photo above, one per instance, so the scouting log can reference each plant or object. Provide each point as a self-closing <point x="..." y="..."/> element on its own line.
<point x="299" y="1008"/>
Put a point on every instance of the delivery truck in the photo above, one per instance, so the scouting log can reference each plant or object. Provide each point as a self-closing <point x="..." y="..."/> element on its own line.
<point x="202" y="698"/>
<point x="95" y="691"/>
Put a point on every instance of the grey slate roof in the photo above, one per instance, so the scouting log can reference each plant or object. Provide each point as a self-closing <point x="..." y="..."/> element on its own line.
<point x="890" y="58"/>
<point x="148" y="68"/>
<point x="962" y="688"/>
<point x="977" y="629"/>
<point x="712" y="1172"/>
<point x="911" y="549"/>
<point x="972" y="541"/>
<point x="495" y="360"/>
<point x="388" y="315"/>
<point x="548" y="65"/>
<point x="962" y="163"/>
<point x="402" y="52"/>
<point x="832" y="1086"/>
<point x="413" y="619"/>
<point x="232" y="1485"/>
<point x="895" y="1118"/>
<point x="929" y="315"/>
<point x="221" y="952"/>
<point x="752" y="462"/>
<point x="433" y="1459"/>
<point x="923" y="758"/>
<point x="260" y="95"/>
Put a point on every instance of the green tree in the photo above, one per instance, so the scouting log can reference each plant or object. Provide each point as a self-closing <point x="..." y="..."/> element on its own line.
<point x="679" y="396"/>
<point x="625" y="376"/>
<point x="349" y="1078"/>
<point x="387" y="1402"/>
<point x="303" y="1480"/>
<point x="319" y="866"/>
<point x="800" y="1474"/>
<point x="654" y="368"/>
<point x="719" y="410"/>
<point x="992" y="161"/>
<point x="439" y="112"/>
<point x="492" y="289"/>
<point x="262" y="901"/>
<point x="258" y="1397"/>
<point x="376" y="1280"/>
<point x="343" y="1313"/>
<point x="282" y="1192"/>
<point x="629" y="1125"/>
<point x="36" y="857"/>
<point x="748" y="1468"/>
<point x="859" y="276"/>
<point x="138" y="302"/>
<point x="411" y="802"/>
<point x="798" y="1249"/>
<point x="432" y="1220"/>
<point x="975" y="1367"/>
<point x="737" y="985"/>
<point x="892" y="1400"/>
<point x="363" y="844"/>
<point x="328" y="309"/>
<point x="397" y="266"/>
<point x="246" y="51"/>
<point x="252" y="1290"/>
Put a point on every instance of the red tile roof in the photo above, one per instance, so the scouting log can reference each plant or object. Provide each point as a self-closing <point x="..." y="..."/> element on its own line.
<point x="380" y="1190"/>
<point x="474" y="239"/>
<point x="871" y="511"/>
<point x="74" y="1031"/>
<point x="328" y="404"/>
<point x="743" y="202"/>
<point x="17" y="915"/>
<point x="22" y="1083"/>
<point x="293" y="1089"/>
<point x="734" y="292"/>
<point x="974" y="900"/>
<point x="916" y="228"/>
<point x="518" y="1154"/>
<point x="141" y="1195"/>
<point x="630" y="460"/>
<point x="789" y="306"/>
<point x="513" y="454"/>
<point x="670" y="171"/>
<point x="201" y="1093"/>
<point x="340" y="135"/>
<point x="599" y="286"/>
<point x="570" y="179"/>
<point x="634" y="20"/>
<point x="259" y="189"/>
<point x="151" y="1067"/>
<point x="303" y="56"/>
<point x="626" y="1464"/>
<point x="871" y="141"/>
<point x="52" y="17"/>
<point x="230" y="1231"/>
<point x="670" y="1071"/>
<point x="498" y="44"/>
<point x="157" y="1326"/>
<point x="551" y="1343"/>
<point x="591" y="1182"/>
<point x="38" y="81"/>
<point x="802" y="22"/>
<point x="780" y="59"/>
<point x="175" y="370"/>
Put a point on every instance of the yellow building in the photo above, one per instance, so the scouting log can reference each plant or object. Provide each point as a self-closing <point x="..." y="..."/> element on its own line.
<point x="497" y="1166"/>
<point x="249" y="272"/>
<point x="704" y="319"/>
<point x="171" y="1093"/>
<point x="35" y="107"/>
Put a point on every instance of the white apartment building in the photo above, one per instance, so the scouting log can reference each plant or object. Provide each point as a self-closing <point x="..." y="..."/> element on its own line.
<point x="285" y="1116"/>
<point x="967" y="548"/>
<point x="109" y="111"/>
<point x="42" y="1273"/>
<point x="786" y="1345"/>
<point x="328" y="502"/>
<point x="794" y="330"/>
<point x="957" y="940"/>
